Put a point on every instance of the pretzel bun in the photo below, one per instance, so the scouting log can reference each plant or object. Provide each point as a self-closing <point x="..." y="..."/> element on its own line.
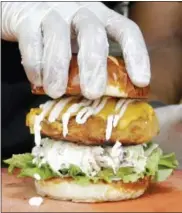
<point x="67" y="189"/>
<point x="118" y="85"/>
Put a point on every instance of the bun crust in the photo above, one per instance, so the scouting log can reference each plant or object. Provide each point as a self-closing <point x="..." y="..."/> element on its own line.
<point x="118" y="85"/>
<point x="67" y="189"/>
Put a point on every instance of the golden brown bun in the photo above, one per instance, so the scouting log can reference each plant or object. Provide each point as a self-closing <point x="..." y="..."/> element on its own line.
<point x="138" y="125"/>
<point x="67" y="189"/>
<point x="119" y="84"/>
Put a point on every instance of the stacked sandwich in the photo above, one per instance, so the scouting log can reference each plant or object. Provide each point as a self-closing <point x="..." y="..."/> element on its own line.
<point x="95" y="150"/>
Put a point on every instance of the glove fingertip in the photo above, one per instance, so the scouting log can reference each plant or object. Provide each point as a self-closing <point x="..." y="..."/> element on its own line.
<point x="54" y="92"/>
<point x="141" y="80"/>
<point x="55" y="85"/>
<point x="91" y="94"/>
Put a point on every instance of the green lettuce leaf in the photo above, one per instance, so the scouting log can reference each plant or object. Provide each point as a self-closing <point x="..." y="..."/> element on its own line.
<point x="45" y="172"/>
<point x="168" y="160"/>
<point x="163" y="174"/>
<point x="167" y="164"/>
<point x="82" y="180"/>
<point x="19" y="161"/>
<point x="131" y="178"/>
<point x="27" y="168"/>
<point x="150" y="148"/>
<point x="124" y="171"/>
<point x="106" y="175"/>
<point x="152" y="162"/>
<point x="75" y="171"/>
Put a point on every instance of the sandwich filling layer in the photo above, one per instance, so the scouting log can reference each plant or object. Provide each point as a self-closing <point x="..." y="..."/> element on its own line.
<point x="94" y="163"/>
<point x="94" y="122"/>
<point x="83" y="109"/>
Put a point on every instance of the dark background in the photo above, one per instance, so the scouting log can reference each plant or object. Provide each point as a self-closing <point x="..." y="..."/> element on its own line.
<point x="16" y="99"/>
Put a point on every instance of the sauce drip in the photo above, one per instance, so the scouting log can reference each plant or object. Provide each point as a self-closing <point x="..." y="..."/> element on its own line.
<point x="112" y="120"/>
<point x="54" y="114"/>
<point x="73" y="109"/>
<point x="35" y="201"/>
<point x="39" y="118"/>
<point x="86" y="112"/>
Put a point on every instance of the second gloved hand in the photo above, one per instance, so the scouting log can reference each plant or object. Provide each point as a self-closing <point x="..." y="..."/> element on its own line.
<point x="44" y="31"/>
<point x="170" y="135"/>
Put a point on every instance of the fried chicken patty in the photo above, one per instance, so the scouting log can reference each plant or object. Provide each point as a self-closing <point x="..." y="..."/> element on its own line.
<point x="138" y="125"/>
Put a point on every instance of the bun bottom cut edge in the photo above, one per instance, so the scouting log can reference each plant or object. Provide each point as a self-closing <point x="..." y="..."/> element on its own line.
<point x="68" y="190"/>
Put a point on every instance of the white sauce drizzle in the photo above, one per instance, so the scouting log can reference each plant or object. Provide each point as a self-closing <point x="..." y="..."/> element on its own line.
<point x="95" y="108"/>
<point x="73" y="109"/>
<point x="58" y="109"/>
<point x="39" y="118"/>
<point x="119" y="104"/>
<point x="37" y="176"/>
<point x="35" y="201"/>
<point x="110" y="120"/>
<point x="124" y="106"/>
<point x="84" y="114"/>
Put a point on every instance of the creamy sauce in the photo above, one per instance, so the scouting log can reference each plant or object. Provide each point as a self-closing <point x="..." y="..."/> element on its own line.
<point x="35" y="201"/>
<point x="74" y="108"/>
<point x="84" y="109"/>
<point x="110" y="120"/>
<point x="58" y="108"/>
<point x="123" y="107"/>
<point x="95" y="108"/>
<point x="39" y="118"/>
<point x="90" y="159"/>
<point x="37" y="176"/>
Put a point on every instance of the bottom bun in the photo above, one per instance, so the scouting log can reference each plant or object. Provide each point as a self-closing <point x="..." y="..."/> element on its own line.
<point x="68" y="189"/>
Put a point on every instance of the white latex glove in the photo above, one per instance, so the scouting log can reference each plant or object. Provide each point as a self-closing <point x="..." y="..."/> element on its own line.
<point x="44" y="31"/>
<point x="170" y="136"/>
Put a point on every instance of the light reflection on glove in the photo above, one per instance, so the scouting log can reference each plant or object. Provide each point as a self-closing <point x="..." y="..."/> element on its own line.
<point x="44" y="31"/>
<point x="170" y="136"/>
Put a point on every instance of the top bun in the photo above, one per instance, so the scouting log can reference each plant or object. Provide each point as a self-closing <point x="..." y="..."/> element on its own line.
<point x="118" y="85"/>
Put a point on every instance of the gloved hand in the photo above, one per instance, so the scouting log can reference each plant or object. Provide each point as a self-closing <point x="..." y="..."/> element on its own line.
<point x="170" y="136"/>
<point x="44" y="31"/>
